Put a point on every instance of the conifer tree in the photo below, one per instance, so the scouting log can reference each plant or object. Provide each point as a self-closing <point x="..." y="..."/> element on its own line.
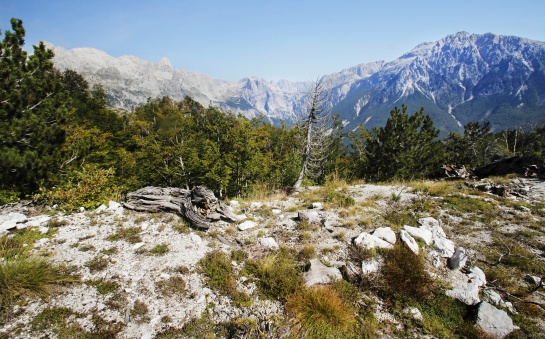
<point x="31" y="111"/>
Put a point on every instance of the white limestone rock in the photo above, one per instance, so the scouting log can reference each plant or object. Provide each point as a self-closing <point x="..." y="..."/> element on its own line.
<point x="369" y="241"/>
<point x="320" y="273"/>
<point x="370" y="266"/>
<point x="246" y="225"/>
<point x="420" y="233"/>
<point x="310" y="216"/>
<point x="409" y="241"/>
<point x="494" y="321"/>
<point x="385" y="233"/>
<point x="269" y="242"/>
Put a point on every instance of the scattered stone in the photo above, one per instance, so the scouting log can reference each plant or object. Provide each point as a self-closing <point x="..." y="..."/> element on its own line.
<point x="269" y="242"/>
<point x="115" y="207"/>
<point x="100" y="209"/>
<point x="138" y="245"/>
<point x="385" y="233"/>
<point x="316" y="205"/>
<point x="234" y="204"/>
<point x="370" y="266"/>
<point x="414" y="312"/>
<point x="369" y="241"/>
<point x="420" y="233"/>
<point x="9" y="221"/>
<point x="496" y="299"/>
<point x="311" y="216"/>
<point x="409" y="241"/>
<point x="494" y="321"/>
<point x="255" y="205"/>
<point x="320" y="273"/>
<point x="458" y="260"/>
<point x="195" y="238"/>
<point x="44" y="230"/>
<point x="477" y="276"/>
<point x="41" y="242"/>
<point x="533" y="280"/>
<point x="330" y="221"/>
<point x="224" y="241"/>
<point x="444" y="246"/>
<point x="247" y="225"/>
<point x="37" y="221"/>
<point x="214" y="216"/>
<point x="466" y="292"/>
<point x="276" y="211"/>
<point x="431" y="224"/>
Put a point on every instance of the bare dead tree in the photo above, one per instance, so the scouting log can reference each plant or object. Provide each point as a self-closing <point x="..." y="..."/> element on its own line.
<point x="316" y="124"/>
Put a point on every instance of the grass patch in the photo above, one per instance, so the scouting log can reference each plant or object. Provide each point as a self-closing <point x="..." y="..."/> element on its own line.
<point x="24" y="275"/>
<point x="104" y="286"/>
<point x="181" y="226"/>
<point x="171" y="286"/>
<point x="319" y="312"/>
<point x="278" y="274"/>
<point x="129" y="234"/>
<point x="97" y="263"/>
<point x="159" y="249"/>
<point x="221" y="276"/>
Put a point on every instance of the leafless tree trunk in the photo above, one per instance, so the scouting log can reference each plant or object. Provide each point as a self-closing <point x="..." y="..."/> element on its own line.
<point x="312" y="140"/>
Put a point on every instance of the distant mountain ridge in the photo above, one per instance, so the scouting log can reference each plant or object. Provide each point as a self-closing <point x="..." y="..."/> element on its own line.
<point x="460" y="78"/>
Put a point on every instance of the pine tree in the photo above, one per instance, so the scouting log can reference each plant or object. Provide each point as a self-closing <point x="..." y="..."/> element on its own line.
<point x="31" y="111"/>
<point x="406" y="148"/>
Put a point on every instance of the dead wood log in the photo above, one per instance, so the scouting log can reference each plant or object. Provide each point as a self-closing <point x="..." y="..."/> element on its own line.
<point x="194" y="205"/>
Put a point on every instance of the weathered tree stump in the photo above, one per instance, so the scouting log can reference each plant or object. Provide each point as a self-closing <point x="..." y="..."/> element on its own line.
<point x="195" y="205"/>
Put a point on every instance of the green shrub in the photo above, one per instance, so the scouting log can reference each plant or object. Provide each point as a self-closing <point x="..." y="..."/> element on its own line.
<point x="221" y="276"/>
<point x="88" y="187"/>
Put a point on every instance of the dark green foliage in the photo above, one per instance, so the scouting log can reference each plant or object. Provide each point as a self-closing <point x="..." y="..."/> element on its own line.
<point x="477" y="147"/>
<point x="32" y="109"/>
<point x="406" y="148"/>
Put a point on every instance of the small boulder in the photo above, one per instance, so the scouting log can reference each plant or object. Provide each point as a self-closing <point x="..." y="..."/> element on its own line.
<point x="409" y="241"/>
<point x="316" y="206"/>
<point x="414" y="313"/>
<point x="466" y="292"/>
<point x="532" y="280"/>
<point x="458" y="259"/>
<point x="477" y="276"/>
<point x="310" y="216"/>
<point x="444" y="246"/>
<point x="369" y="241"/>
<point x="370" y="266"/>
<point x="269" y="242"/>
<point x="246" y="225"/>
<point x="494" y="321"/>
<point x="320" y="273"/>
<point x="385" y="233"/>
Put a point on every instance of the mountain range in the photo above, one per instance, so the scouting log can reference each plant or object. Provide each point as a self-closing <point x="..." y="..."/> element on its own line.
<point x="459" y="79"/>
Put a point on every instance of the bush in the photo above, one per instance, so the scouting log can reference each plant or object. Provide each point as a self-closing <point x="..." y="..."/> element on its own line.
<point x="405" y="276"/>
<point x="88" y="187"/>
<point x="221" y="276"/>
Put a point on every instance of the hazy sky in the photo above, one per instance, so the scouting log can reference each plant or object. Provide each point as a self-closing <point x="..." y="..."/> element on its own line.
<point x="284" y="39"/>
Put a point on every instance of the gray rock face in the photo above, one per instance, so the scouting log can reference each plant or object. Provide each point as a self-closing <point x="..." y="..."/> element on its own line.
<point x="446" y="74"/>
<point x="458" y="260"/>
<point x="320" y="273"/>
<point x="466" y="292"/>
<point x="494" y="321"/>
<point x="269" y="242"/>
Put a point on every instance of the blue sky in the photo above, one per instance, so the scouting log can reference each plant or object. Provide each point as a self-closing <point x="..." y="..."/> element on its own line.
<point x="294" y="40"/>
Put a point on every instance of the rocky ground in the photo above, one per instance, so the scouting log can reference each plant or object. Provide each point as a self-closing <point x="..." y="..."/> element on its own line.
<point x="141" y="275"/>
